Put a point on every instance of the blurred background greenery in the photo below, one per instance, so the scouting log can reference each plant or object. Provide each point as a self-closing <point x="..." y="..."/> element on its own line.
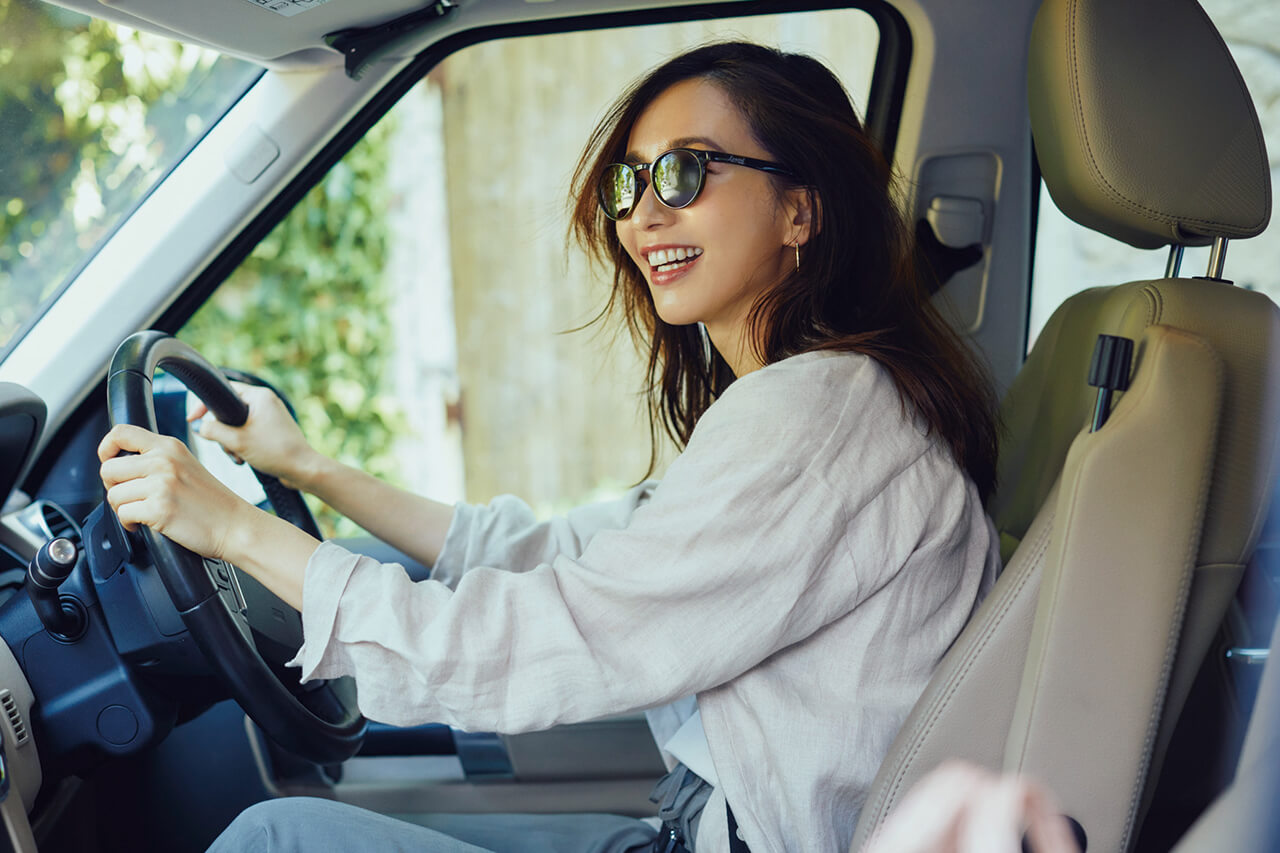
<point x="91" y="115"/>
<point x="285" y="314"/>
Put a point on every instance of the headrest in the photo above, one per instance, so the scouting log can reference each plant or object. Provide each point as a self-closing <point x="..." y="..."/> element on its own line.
<point x="1142" y="124"/>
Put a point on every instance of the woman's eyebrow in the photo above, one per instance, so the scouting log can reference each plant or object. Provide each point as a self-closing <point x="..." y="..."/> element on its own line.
<point x="689" y="141"/>
<point x="683" y="142"/>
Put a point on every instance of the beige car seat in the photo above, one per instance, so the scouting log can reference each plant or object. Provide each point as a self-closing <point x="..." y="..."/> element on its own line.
<point x="1125" y="545"/>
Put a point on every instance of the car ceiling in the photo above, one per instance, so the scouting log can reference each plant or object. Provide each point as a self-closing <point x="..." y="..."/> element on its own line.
<point x="290" y="34"/>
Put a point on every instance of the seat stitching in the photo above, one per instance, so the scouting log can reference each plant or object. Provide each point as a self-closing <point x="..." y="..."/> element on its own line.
<point x="1175" y="626"/>
<point x="1042" y="544"/>
<point x="1155" y="304"/>
<point x="1050" y="618"/>
<point x="1052" y="615"/>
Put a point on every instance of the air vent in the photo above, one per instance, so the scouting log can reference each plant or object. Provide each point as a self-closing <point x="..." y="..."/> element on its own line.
<point x="10" y="707"/>
<point x="45" y="520"/>
<point x="58" y="523"/>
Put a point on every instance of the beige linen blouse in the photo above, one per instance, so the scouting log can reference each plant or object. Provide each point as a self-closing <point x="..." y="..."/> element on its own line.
<point x="801" y="569"/>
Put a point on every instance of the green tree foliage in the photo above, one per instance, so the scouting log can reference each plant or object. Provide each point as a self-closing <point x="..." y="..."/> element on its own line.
<point x="91" y="115"/>
<point x="309" y="310"/>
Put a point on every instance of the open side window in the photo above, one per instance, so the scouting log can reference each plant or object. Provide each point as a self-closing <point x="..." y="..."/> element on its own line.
<point x="417" y="305"/>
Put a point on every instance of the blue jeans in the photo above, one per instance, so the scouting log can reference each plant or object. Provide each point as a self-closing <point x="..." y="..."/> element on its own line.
<point x="325" y="826"/>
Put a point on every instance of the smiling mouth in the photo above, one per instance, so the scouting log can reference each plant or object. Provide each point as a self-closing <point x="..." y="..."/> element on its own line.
<point x="668" y="260"/>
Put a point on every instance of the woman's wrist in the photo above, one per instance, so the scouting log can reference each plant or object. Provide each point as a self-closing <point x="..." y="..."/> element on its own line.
<point x="311" y="472"/>
<point x="272" y="550"/>
<point x="246" y="532"/>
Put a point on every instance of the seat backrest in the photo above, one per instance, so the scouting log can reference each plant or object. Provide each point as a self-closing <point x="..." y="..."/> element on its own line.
<point x="1125" y="545"/>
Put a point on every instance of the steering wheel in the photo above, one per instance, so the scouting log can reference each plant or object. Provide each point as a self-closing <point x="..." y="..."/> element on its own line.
<point x="221" y="607"/>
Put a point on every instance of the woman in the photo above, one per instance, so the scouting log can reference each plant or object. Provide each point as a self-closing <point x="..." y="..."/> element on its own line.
<point x="779" y="600"/>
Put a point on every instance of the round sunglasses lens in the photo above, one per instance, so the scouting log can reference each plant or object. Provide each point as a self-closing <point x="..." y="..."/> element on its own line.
<point x="677" y="177"/>
<point x="617" y="191"/>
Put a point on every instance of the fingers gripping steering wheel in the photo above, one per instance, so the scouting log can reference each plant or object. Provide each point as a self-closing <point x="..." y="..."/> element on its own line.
<point x="319" y="723"/>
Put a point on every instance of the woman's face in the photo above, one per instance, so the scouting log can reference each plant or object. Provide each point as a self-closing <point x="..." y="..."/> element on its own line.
<point x="738" y="236"/>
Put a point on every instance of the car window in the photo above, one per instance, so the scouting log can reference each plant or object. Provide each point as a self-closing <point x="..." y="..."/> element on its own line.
<point x="417" y="304"/>
<point x="1070" y="258"/>
<point x="91" y="116"/>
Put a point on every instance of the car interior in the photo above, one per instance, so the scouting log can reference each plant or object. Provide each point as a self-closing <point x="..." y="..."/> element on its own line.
<point x="1122" y="656"/>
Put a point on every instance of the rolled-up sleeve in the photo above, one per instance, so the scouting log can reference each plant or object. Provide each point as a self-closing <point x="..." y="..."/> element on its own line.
<point x="734" y="556"/>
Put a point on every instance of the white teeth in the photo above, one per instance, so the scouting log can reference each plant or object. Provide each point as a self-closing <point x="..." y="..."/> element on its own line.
<point x="664" y="257"/>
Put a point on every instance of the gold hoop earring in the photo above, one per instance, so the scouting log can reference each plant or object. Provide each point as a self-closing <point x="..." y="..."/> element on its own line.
<point x="797" y="256"/>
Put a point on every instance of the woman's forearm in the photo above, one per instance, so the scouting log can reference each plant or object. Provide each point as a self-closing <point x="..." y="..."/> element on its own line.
<point x="273" y="551"/>
<point x="412" y="523"/>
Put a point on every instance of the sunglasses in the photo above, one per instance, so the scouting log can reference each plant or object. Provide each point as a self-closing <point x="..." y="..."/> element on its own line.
<point x="677" y="175"/>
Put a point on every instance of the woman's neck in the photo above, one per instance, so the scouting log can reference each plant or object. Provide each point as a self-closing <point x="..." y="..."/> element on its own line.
<point x="733" y="348"/>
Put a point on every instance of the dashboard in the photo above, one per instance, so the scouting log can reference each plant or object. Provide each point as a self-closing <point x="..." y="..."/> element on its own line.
<point x="102" y="693"/>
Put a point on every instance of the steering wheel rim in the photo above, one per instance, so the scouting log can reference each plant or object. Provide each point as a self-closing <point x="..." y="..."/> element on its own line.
<point x="204" y="596"/>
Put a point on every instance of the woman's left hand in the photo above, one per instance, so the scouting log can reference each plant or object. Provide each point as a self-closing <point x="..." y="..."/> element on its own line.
<point x="167" y="489"/>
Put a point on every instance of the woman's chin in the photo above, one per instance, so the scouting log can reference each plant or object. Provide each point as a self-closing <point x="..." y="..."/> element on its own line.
<point x="672" y="311"/>
<point x="677" y="317"/>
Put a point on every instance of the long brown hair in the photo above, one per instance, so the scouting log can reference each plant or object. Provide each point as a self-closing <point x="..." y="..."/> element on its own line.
<point x="857" y="288"/>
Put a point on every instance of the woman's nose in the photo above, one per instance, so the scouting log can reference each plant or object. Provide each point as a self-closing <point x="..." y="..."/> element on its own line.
<point x="649" y="212"/>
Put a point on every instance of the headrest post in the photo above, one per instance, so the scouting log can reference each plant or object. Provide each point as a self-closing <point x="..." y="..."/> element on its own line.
<point x="1217" y="257"/>
<point x="1175" y="261"/>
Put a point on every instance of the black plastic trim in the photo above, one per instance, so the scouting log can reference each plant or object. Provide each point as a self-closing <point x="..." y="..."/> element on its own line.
<point x="1036" y="185"/>
<point x="889" y="77"/>
<point x="430" y="739"/>
<point x="22" y="416"/>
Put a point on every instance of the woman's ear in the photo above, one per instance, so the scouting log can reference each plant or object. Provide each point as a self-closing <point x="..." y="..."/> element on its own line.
<point x="805" y="211"/>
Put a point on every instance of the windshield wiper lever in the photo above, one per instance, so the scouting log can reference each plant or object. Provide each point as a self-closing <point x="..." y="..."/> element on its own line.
<point x="63" y="617"/>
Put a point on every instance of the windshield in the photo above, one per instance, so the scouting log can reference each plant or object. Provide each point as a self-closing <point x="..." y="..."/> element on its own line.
<point x="92" y="115"/>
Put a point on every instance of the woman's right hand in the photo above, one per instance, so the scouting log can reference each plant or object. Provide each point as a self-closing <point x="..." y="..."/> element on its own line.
<point x="269" y="440"/>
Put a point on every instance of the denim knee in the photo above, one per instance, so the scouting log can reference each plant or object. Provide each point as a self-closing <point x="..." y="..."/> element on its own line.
<point x="272" y="826"/>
